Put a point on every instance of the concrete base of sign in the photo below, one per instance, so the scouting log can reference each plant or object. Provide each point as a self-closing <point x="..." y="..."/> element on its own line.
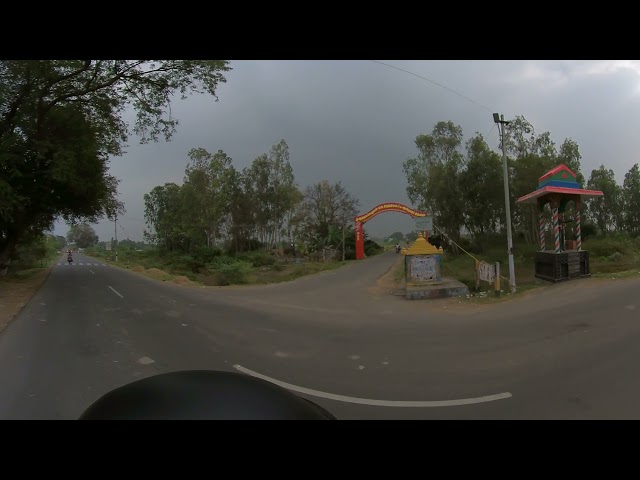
<point x="448" y="288"/>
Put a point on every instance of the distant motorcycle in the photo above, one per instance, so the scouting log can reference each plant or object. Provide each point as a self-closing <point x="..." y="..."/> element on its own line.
<point x="70" y="259"/>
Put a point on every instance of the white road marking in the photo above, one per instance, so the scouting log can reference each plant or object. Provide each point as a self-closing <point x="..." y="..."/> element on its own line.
<point x="146" y="360"/>
<point x="95" y="264"/>
<point x="103" y="265"/>
<point x="81" y="263"/>
<point x="377" y="403"/>
<point x="92" y="271"/>
<point x="115" y="291"/>
<point x="59" y="264"/>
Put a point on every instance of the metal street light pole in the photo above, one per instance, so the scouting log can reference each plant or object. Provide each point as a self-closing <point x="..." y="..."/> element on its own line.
<point x="115" y="229"/>
<point x="499" y="119"/>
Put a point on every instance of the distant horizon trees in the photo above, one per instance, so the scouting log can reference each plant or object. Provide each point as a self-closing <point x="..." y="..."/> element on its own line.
<point x="461" y="183"/>
<point x="261" y="206"/>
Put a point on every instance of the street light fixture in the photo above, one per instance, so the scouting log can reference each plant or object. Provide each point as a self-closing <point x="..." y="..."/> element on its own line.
<point x="500" y="121"/>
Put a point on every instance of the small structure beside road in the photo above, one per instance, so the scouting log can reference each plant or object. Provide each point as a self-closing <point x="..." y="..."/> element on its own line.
<point x="558" y="188"/>
<point x="423" y="273"/>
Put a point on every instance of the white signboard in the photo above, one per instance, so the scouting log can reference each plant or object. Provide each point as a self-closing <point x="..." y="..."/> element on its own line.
<point x="423" y="268"/>
<point x="424" y="223"/>
<point x="107" y="246"/>
<point x="486" y="272"/>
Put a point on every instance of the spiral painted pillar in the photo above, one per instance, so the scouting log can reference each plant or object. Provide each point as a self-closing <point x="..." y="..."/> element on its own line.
<point x="556" y="230"/>
<point x="578" y="233"/>
<point x="541" y="232"/>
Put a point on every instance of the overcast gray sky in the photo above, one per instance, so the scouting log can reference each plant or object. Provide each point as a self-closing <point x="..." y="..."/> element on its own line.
<point x="356" y="121"/>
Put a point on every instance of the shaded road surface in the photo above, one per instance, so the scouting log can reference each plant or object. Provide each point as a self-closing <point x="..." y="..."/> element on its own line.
<point x="568" y="352"/>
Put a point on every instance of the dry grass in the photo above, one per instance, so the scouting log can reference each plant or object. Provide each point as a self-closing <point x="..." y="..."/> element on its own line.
<point x="181" y="280"/>
<point x="16" y="290"/>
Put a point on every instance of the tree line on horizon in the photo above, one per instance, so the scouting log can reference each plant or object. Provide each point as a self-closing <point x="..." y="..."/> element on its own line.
<point x="258" y="207"/>
<point x="460" y="183"/>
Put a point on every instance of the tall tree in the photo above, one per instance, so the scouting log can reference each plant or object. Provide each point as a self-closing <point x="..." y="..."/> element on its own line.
<point x="606" y="211"/>
<point x="631" y="195"/>
<point x="569" y="154"/>
<point x="82" y="235"/>
<point x="326" y="208"/>
<point x="163" y="214"/>
<point x="206" y="194"/>
<point x="432" y="176"/>
<point x="275" y="192"/>
<point x="481" y="188"/>
<point x="60" y="120"/>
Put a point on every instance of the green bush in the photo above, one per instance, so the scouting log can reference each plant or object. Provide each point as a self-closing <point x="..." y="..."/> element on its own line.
<point x="615" y="257"/>
<point x="606" y="246"/>
<point x="588" y="230"/>
<point x="257" y="259"/>
<point x="372" y="248"/>
<point x="30" y="254"/>
<point x="234" y="273"/>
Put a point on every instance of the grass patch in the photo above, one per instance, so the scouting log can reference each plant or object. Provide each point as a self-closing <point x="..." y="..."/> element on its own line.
<point x="212" y="268"/>
<point x="16" y="289"/>
<point x="26" y="274"/>
<point x="285" y="273"/>
<point x="613" y="256"/>
<point x="398" y="272"/>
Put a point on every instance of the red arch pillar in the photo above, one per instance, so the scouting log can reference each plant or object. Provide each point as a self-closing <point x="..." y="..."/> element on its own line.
<point x="359" y="241"/>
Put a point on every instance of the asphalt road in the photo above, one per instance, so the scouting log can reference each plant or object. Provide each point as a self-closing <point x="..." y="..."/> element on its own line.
<point x="568" y="352"/>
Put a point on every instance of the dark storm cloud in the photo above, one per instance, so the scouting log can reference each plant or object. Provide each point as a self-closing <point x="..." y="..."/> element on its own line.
<point x="356" y="121"/>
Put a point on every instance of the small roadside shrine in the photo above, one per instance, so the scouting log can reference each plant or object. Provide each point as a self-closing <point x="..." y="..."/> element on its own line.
<point x="422" y="264"/>
<point x="566" y="260"/>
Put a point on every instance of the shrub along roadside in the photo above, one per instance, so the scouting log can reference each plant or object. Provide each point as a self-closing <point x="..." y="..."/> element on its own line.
<point x="213" y="268"/>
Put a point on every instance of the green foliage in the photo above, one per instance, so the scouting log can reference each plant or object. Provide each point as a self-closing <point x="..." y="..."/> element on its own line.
<point x="412" y="236"/>
<point x="631" y="197"/>
<point x="431" y="176"/>
<point x="218" y="206"/>
<point x="480" y="183"/>
<point x="257" y="258"/>
<point x="588" y="230"/>
<point x="60" y="242"/>
<point x="607" y="246"/>
<point x="36" y="252"/>
<point x="372" y="248"/>
<point x="465" y="188"/>
<point x="235" y="272"/>
<point x="82" y="235"/>
<point x="60" y="121"/>
<point x="606" y="211"/>
<point x="326" y="210"/>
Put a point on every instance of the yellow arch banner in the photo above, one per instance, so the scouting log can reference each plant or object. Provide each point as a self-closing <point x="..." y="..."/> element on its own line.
<point x="389" y="207"/>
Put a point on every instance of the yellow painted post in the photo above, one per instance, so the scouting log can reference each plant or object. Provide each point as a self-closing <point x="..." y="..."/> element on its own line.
<point x="477" y="265"/>
<point x="497" y="281"/>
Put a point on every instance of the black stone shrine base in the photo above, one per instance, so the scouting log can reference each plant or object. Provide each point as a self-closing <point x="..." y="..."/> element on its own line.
<point x="567" y="265"/>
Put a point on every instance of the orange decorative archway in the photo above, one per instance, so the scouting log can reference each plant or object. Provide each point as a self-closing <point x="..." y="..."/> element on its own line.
<point x="360" y="220"/>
